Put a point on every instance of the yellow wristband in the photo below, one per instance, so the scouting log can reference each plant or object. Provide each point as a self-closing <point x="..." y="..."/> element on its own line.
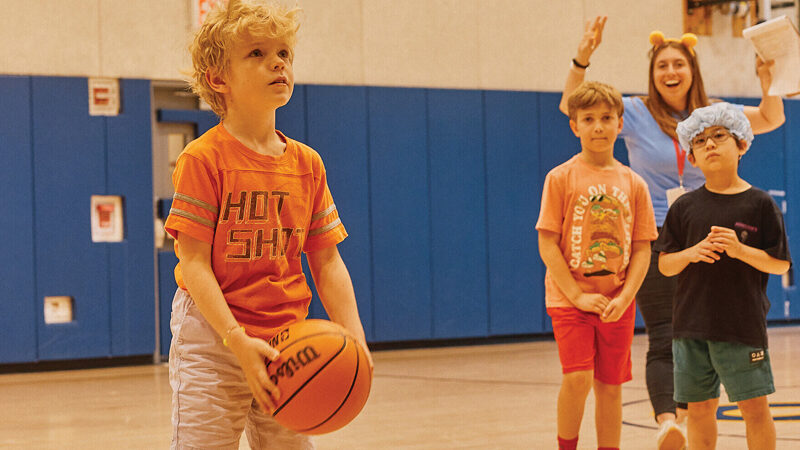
<point x="228" y="334"/>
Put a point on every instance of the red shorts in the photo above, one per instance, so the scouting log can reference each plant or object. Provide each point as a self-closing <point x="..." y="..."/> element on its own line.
<point x="586" y="343"/>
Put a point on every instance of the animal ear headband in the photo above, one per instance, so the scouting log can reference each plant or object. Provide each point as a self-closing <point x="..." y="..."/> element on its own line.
<point x="688" y="40"/>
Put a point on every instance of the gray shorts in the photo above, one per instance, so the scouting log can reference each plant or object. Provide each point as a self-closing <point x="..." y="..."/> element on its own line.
<point x="211" y="401"/>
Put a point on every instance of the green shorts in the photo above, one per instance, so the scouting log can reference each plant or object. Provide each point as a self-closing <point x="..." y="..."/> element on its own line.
<point x="700" y="366"/>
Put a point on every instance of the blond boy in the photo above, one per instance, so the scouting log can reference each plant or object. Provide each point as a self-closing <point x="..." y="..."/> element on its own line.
<point x="248" y="202"/>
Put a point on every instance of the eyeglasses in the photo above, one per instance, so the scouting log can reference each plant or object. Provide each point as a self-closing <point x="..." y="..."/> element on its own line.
<point x="718" y="137"/>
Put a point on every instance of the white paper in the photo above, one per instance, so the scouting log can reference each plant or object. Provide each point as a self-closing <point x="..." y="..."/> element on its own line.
<point x="778" y="40"/>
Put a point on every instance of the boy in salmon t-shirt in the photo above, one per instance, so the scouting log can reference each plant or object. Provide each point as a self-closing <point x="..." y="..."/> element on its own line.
<point x="595" y="227"/>
<point x="248" y="202"/>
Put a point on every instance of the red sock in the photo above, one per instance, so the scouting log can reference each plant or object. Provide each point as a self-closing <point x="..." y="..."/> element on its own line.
<point x="567" y="444"/>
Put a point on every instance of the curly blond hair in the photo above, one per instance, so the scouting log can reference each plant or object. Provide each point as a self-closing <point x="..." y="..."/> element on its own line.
<point x="228" y="22"/>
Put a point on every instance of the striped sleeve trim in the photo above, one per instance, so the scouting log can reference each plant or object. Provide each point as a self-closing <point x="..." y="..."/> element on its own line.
<point x="323" y="213"/>
<point x="196" y="202"/>
<point x="190" y="216"/>
<point x="324" y="228"/>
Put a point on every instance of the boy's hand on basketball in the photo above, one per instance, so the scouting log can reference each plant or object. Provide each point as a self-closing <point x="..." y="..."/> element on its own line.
<point x="704" y="251"/>
<point x="593" y="303"/>
<point x="726" y="239"/>
<point x="252" y="353"/>
<point x="592" y="35"/>
<point x="764" y="72"/>
<point x="368" y="354"/>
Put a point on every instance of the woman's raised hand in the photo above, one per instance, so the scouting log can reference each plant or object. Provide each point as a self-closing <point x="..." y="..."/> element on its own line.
<point x="592" y="35"/>
<point x="764" y="71"/>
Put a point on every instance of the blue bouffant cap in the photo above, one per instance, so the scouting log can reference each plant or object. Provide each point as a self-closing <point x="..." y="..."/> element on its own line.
<point x="717" y="115"/>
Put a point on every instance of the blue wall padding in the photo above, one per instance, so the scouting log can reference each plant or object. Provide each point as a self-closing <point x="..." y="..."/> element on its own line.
<point x="557" y="143"/>
<point x="291" y="117"/>
<point x="59" y="157"/>
<point x="400" y="209"/>
<point x="337" y="130"/>
<point x="129" y="168"/>
<point x="438" y="189"/>
<point x="458" y="213"/>
<point x="512" y="174"/>
<point x="17" y="309"/>
<point x="69" y="150"/>
<point x="410" y="131"/>
<point x="764" y="163"/>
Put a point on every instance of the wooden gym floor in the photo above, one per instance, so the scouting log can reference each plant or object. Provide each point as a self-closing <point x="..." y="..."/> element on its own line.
<point x="480" y="397"/>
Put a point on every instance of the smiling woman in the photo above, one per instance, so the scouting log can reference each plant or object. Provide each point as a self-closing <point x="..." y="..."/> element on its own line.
<point x="675" y="89"/>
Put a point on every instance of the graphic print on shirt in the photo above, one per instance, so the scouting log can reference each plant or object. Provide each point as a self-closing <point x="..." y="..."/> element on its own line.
<point x="261" y="232"/>
<point x="744" y="230"/>
<point x="604" y="219"/>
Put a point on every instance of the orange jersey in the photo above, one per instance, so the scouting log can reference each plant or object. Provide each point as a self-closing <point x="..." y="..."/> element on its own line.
<point x="598" y="213"/>
<point x="259" y="213"/>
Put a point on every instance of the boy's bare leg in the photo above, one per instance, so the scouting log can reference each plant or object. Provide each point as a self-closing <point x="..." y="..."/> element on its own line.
<point x="575" y="387"/>
<point x="608" y="413"/>
<point x="758" y="423"/>
<point x="703" y="424"/>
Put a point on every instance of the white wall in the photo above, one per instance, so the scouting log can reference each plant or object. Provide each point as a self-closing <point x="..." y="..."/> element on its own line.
<point x="470" y="44"/>
<point x="115" y="38"/>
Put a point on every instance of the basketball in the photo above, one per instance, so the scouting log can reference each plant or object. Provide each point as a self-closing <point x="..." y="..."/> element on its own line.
<point x="323" y="376"/>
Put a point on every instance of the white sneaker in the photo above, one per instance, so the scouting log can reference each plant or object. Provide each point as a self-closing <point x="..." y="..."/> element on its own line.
<point x="671" y="436"/>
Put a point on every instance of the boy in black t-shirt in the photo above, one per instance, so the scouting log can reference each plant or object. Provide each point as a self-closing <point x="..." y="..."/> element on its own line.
<point x="722" y="240"/>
